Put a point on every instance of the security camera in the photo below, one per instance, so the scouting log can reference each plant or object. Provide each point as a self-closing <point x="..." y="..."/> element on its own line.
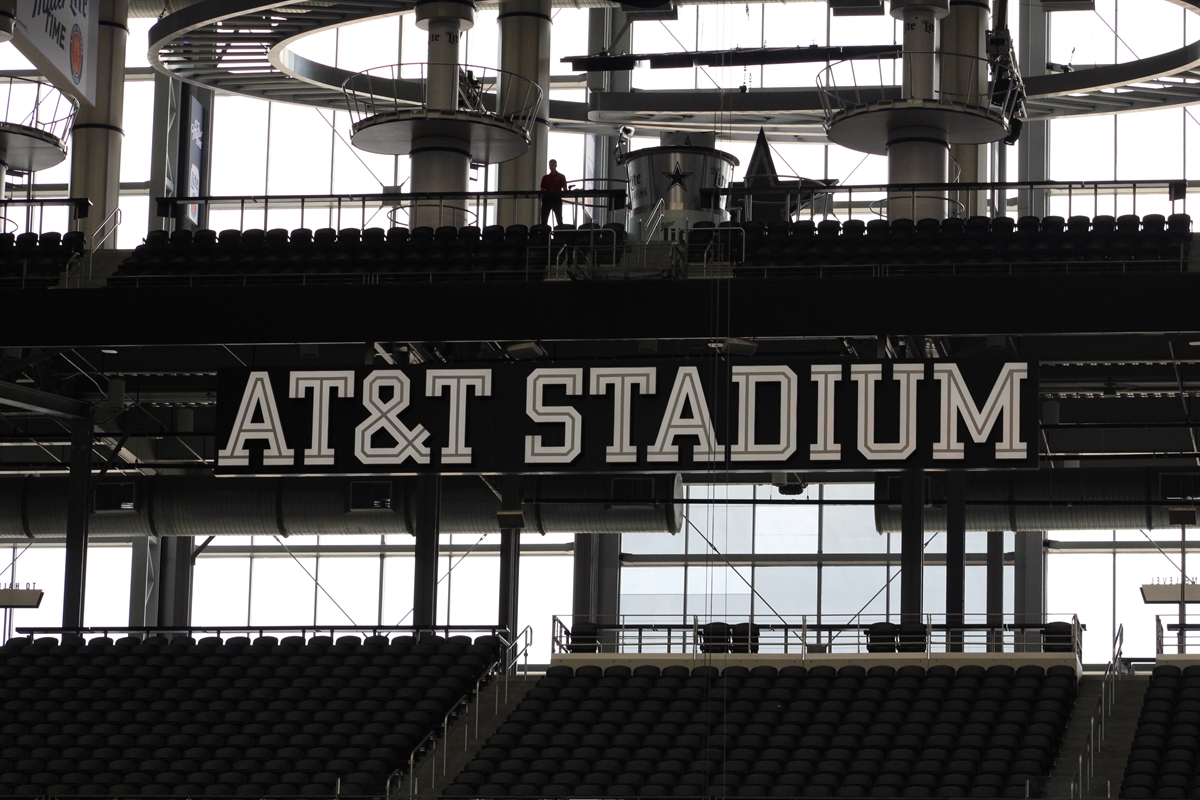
<point x="626" y="131"/>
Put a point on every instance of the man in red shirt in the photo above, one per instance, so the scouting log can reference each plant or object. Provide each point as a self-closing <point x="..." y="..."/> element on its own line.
<point x="553" y="185"/>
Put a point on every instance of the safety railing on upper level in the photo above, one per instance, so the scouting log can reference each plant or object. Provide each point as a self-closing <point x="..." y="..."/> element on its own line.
<point x="952" y="80"/>
<point x="363" y="211"/>
<point x="382" y="93"/>
<point x="1174" y="638"/>
<point x="1081" y="782"/>
<point x="35" y="104"/>
<point x="804" y="636"/>
<point x="225" y="632"/>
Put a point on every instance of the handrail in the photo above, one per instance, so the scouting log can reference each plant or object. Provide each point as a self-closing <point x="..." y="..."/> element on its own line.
<point x="115" y="218"/>
<point x="502" y="665"/>
<point x="657" y="215"/>
<point x="1097" y="725"/>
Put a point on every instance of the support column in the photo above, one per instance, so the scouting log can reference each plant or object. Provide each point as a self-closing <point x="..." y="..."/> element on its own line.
<point x="956" y="556"/>
<point x="96" y="137"/>
<point x="525" y="52"/>
<point x="1029" y="587"/>
<point x="603" y="25"/>
<point x="918" y="154"/>
<point x="510" y="578"/>
<point x="964" y="48"/>
<point x="1033" y="148"/>
<point x="912" y="546"/>
<point x="175" y="581"/>
<point x="79" y="493"/>
<point x="426" y="508"/>
<point x="597" y="590"/>
<point x="143" y="582"/>
<point x="441" y="161"/>
<point x="995" y="588"/>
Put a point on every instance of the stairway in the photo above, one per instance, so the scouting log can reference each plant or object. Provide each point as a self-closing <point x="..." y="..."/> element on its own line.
<point x="92" y="270"/>
<point x="467" y="734"/>
<point x="1118" y="738"/>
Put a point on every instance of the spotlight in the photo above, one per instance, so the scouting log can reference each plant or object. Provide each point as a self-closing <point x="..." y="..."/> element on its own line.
<point x="734" y="346"/>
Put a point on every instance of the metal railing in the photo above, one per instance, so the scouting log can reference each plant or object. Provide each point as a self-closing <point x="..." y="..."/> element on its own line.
<point x="229" y="631"/>
<point x="35" y="104"/>
<point x="962" y="82"/>
<point x="106" y="230"/>
<point x="803" y="636"/>
<point x="388" y="92"/>
<point x="1081" y="781"/>
<point x="1186" y="639"/>
<point x="1004" y="198"/>
<point x="363" y="211"/>
<point x="513" y="652"/>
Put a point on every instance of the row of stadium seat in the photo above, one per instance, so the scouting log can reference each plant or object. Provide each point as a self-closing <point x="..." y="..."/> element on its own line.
<point x="254" y="718"/>
<point x="767" y="732"/>
<point x="397" y="253"/>
<point x="1162" y="761"/>
<point x="30" y="260"/>
<point x="978" y="240"/>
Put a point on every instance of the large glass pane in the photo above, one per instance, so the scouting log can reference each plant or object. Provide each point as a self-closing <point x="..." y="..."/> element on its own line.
<point x="785" y="528"/>
<point x="789" y="592"/>
<point x="283" y="591"/>
<point x="106" y="593"/>
<point x="851" y="529"/>
<point x="239" y="146"/>
<point x="475" y="589"/>
<point x="850" y="591"/>
<point x="221" y="590"/>
<point x="652" y="594"/>
<point x="398" y="590"/>
<point x="720" y="528"/>
<point x="545" y="591"/>
<point x="351" y="590"/>
<point x="718" y="591"/>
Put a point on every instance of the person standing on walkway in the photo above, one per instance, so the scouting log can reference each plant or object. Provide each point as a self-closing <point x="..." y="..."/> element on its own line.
<point x="553" y="185"/>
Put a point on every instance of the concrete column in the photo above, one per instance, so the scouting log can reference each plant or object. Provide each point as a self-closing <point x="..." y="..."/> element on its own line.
<point x="442" y="162"/>
<point x="96" y="137"/>
<point x="143" y="582"/>
<point x="175" y="581"/>
<point x="510" y="578"/>
<point x="1029" y="586"/>
<point x="597" y="590"/>
<point x="912" y="546"/>
<point x="965" y="76"/>
<point x="956" y="555"/>
<point x="995" y="586"/>
<point x="1033" y="148"/>
<point x="918" y="154"/>
<point x="79" y="494"/>
<point x="525" y="51"/>
<point x="426" y="507"/>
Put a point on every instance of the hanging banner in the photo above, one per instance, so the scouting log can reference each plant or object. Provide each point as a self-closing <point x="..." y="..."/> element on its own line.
<point x="646" y="416"/>
<point x="60" y="37"/>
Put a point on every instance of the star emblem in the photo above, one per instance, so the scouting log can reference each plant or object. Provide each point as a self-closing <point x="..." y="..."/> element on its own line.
<point x="677" y="178"/>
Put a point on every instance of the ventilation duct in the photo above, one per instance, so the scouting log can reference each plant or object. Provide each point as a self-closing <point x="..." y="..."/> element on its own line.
<point x="1023" y="500"/>
<point x="35" y="507"/>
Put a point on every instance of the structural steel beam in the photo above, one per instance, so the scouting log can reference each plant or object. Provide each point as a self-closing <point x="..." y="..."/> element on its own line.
<point x="15" y="395"/>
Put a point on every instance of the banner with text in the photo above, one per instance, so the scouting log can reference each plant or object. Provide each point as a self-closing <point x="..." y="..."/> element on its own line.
<point x="660" y="415"/>
<point x="60" y="37"/>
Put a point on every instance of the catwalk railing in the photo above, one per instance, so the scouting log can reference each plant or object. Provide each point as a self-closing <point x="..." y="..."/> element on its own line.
<point x="803" y="636"/>
<point x="230" y="631"/>
<point x="1081" y="783"/>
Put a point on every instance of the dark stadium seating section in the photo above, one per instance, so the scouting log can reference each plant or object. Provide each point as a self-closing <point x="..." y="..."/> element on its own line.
<point x="32" y="261"/>
<point x="240" y="717"/>
<point x="763" y="732"/>
<point x="329" y="256"/>
<point x="1162" y="762"/>
<point x="521" y="253"/>
<point x="976" y="241"/>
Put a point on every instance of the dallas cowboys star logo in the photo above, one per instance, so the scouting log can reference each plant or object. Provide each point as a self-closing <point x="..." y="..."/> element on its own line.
<point x="677" y="178"/>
